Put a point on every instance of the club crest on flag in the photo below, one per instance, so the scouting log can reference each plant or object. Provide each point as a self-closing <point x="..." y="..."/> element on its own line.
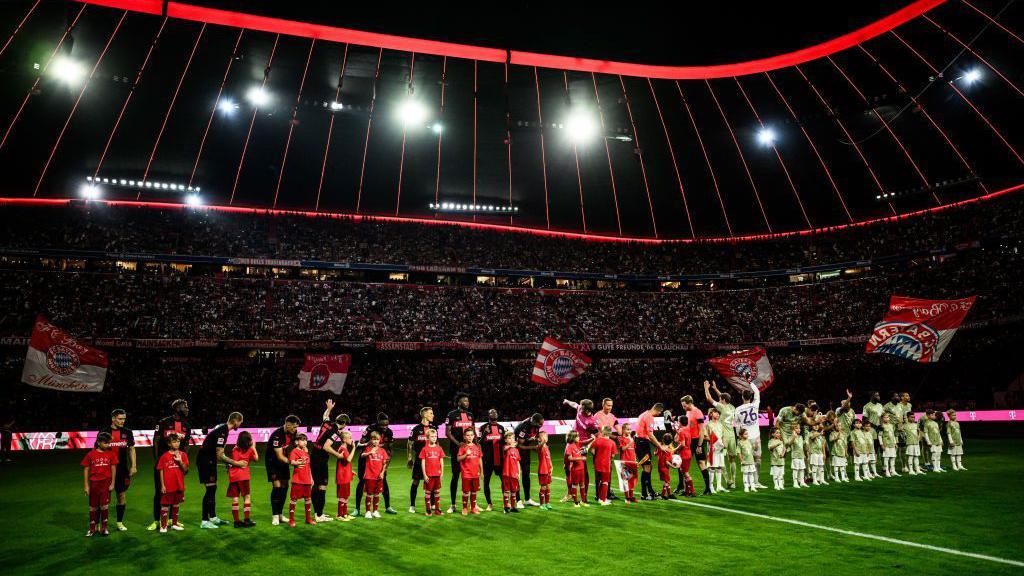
<point x="918" y="329"/>
<point x="324" y="372"/>
<point x="59" y="361"/>
<point x="745" y="366"/>
<point x="557" y="363"/>
<point x="62" y="360"/>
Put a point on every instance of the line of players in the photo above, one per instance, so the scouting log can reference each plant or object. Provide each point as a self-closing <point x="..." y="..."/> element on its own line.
<point x="729" y="437"/>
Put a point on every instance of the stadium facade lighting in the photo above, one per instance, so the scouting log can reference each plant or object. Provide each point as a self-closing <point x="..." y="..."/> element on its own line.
<point x="227" y="106"/>
<point x="437" y="127"/>
<point x="67" y="70"/>
<point x="454" y="207"/>
<point x="580" y="126"/>
<point x="766" y="136"/>
<point x="257" y="96"/>
<point x="89" y="192"/>
<point x="971" y="76"/>
<point x="335" y="106"/>
<point x="126" y="183"/>
<point x="412" y="113"/>
<point x="193" y="200"/>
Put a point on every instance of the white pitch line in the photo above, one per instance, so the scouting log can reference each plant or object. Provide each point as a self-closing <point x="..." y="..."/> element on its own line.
<point x="952" y="551"/>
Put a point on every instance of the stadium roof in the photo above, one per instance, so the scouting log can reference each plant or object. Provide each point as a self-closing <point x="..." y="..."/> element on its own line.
<point x="788" y="119"/>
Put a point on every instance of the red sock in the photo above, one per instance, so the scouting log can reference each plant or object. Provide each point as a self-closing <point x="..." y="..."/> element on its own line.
<point x="234" y="510"/>
<point x="584" y="489"/>
<point x="246" y="509"/>
<point x="341" y="508"/>
<point x="505" y="498"/>
<point x="104" y="512"/>
<point x="93" y="513"/>
<point x="437" y="500"/>
<point x="376" y="501"/>
<point x="602" y="491"/>
<point x="309" y="519"/>
<point x="174" y="514"/>
<point x="291" y="511"/>
<point x="465" y="500"/>
<point x="472" y="500"/>
<point x="369" y="502"/>
<point x="426" y="500"/>
<point x="163" y="517"/>
<point x="572" y="492"/>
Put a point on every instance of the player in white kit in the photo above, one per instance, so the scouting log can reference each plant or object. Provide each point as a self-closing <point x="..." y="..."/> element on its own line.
<point x="746" y="417"/>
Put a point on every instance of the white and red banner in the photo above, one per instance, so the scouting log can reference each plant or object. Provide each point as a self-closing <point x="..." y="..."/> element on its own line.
<point x="324" y="372"/>
<point x="918" y="329"/>
<point x="58" y="361"/>
<point x="557" y="363"/>
<point x="743" y="366"/>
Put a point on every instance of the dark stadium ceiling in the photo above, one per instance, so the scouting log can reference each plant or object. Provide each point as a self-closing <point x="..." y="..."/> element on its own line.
<point x="870" y="131"/>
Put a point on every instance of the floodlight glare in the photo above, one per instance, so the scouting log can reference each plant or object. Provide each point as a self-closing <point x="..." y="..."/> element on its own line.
<point x="67" y="70"/>
<point x="335" y="106"/>
<point x="257" y="96"/>
<point x="227" y="106"/>
<point x="580" y="126"/>
<point x="193" y="200"/>
<point x="437" y="128"/>
<point x="89" y="192"/>
<point x="411" y="113"/>
<point x="972" y="76"/>
<point x="766" y="136"/>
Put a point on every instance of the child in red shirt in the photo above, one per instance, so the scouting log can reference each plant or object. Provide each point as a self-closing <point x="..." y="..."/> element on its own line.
<point x="683" y="438"/>
<point x="343" y="475"/>
<point x="172" y="466"/>
<point x="98" y="471"/>
<point x="472" y="467"/>
<point x="627" y="455"/>
<point x="577" y="457"/>
<point x="510" y="474"/>
<point x="603" y="448"/>
<point x="544" y="470"/>
<point x="373" y="474"/>
<point x="238" y="478"/>
<point x="302" y="480"/>
<point x="664" y="462"/>
<point x="432" y="465"/>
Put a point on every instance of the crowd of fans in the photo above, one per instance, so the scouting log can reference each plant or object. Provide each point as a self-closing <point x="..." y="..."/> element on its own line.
<point x="129" y="304"/>
<point x="341" y="239"/>
<point x="265" y="390"/>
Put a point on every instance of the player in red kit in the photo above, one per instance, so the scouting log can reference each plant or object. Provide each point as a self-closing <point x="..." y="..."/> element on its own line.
<point x="471" y="465"/>
<point x="576" y="454"/>
<point x="432" y="464"/>
<point x="685" y="485"/>
<point x="665" y="453"/>
<point x="510" y="474"/>
<point x="98" y="466"/>
<point x="172" y="467"/>
<point x="376" y="462"/>
<point x="544" y="470"/>
<point x="302" y="480"/>
<point x="238" y="478"/>
<point x="343" y="473"/>
<point x="603" y="448"/>
<point x="627" y="455"/>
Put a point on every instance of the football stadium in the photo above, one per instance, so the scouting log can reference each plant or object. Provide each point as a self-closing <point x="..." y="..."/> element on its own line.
<point x="307" y="288"/>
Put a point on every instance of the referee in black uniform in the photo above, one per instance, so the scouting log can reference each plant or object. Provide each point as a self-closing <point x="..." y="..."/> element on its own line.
<point x="456" y="423"/>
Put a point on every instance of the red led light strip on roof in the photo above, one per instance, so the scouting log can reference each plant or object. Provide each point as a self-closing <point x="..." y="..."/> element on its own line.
<point x="469" y="52"/>
<point x="505" y="228"/>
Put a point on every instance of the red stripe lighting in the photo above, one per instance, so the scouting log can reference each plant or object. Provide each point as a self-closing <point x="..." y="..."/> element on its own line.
<point x="498" y="55"/>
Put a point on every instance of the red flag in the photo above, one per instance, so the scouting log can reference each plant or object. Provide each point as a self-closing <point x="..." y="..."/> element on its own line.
<point x="557" y="363"/>
<point x="744" y="366"/>
<point x="917" y="328"/>
<point x="325" y="372"/>
<point x="58" y="361"/>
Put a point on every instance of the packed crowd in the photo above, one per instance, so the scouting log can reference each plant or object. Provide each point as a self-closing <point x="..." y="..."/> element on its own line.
<point x="339" y="239"/>
<point x="172" y="305"/>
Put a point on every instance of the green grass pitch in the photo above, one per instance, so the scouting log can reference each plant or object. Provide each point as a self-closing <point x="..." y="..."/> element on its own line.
<point x="44" y="518"/>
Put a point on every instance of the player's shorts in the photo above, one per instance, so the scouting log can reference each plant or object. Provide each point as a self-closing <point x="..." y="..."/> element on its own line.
<point x="889" y="452"/>
<point x="172" y="498"/>
<point x="318" y="467"/>
<point x="749" y="469"/>
<point x="798" y="464"/>
<point x="872" y="457"/>
<point x="238" y="488"/>
<point x="839" y="461"/>
<point x="344" y="490"/>
<point x="859" y="459"/>
<point x="817" y="459"/>
<point x="544" y="479"/>
<point x="277" y="471"/>
<point x="731" y="446"/>
<point x="913" y="450"/>
<point x="718" y="458"/>
<point x="901" y="439"/>
<point x="432" y="483"/>
<point x="494" y="467"/>
<point x="122" y="481"/>
<point x="778" y="472"/>
<point x="509" y="484"/>
<point x="643" y="448"/>
<point x="207" y="471"/>
<point x="603" y="476"/>
<point x="936" y="449"/>
<point x="956" y="450"/>
<point x="99" y="493"/>
<point x="664" y="474"/>
<point x="417" y="470"/>
<point x="373" y="486"/>
<point x="471" y="484"/>
<point x="301" y="491"/>
<point x="577" y="476"/>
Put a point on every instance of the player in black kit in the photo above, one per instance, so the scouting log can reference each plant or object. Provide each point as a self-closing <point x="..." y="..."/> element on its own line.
<point x="526" y="440"/>
<point x="176" y="424"/>
<point x="210" y="455"/>
<point x="456" y="423"/>
<point x="387" y="439"/>
<point x="417" y="440"/>
<point x="123" y="441"/>
<point x="319" y="459"/>
<point x="492" y="444"/>
<point x="278" y="467"/>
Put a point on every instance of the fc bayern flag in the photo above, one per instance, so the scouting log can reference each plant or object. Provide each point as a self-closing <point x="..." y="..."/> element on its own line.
<point x="58" y="361"/>
<point x="324" y="372"/>
<point x="917" y="328"/>
<point x="557" y="363"/>
<point x="744" y="366"/>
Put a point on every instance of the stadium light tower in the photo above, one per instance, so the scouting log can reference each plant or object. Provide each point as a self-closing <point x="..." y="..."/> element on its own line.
<point x="766" y="136"/>
<point x="258" y="96"/>
<point x="67" y="70"/>
<point x="412" y="113"/>
<point x="581" y="126"/>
